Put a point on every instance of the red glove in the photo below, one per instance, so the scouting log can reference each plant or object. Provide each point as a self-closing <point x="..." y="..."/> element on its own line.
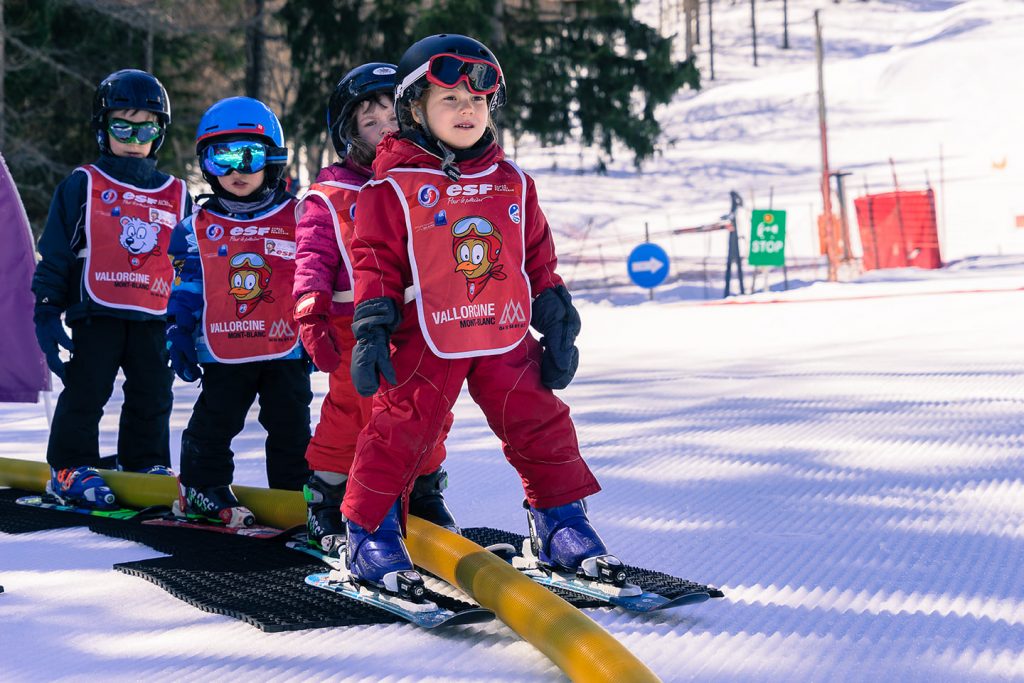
<point x="316" y="332"/>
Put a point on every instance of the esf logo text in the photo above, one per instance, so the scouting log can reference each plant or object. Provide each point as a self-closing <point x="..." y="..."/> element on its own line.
<point x="469" y="190"/>
<point x="250" y="231"/>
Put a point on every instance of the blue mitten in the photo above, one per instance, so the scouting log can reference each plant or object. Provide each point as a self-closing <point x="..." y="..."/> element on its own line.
<point x="556" y="319"/>
<point x="51" y="337"/>
<point x="182" y="347"/>
<point x="372" y="325"/>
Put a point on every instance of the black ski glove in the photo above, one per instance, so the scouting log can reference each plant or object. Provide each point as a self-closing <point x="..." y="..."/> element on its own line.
<point x="556" y="319"/>
<point x="372" y="325"/>
<point x="51" y="336"/>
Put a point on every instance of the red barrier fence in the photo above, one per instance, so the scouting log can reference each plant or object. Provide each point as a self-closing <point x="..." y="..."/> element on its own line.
<point x="898" y="229"/>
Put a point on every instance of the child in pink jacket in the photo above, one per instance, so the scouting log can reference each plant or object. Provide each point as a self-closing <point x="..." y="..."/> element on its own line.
<point x="359" y="114"/>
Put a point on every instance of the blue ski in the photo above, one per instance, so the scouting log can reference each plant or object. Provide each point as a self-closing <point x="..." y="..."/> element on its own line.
<point x="425" y="614"/>
<point x="627" y="596"/>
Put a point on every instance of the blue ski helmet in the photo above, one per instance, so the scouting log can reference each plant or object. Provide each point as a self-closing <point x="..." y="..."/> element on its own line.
<point x="243" y="118"/>
<point x="357" y="85"/>
<point x="129" y="89"/>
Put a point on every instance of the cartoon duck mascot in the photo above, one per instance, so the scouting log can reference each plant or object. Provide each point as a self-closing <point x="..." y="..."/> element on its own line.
<point x="249" y="277"/>
<point x="477" y="246"/>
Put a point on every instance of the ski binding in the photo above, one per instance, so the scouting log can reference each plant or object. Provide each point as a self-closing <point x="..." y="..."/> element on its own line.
<point x="601" y="578"/>
<point x="409" y="599"/>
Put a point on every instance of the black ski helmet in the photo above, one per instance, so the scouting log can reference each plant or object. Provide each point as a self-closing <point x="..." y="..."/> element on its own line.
<point x="129" y="89"/>
<point x="357" y="85"/>
<point x="419" y="54"/>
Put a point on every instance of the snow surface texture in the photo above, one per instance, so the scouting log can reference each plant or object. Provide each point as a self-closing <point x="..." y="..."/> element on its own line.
<point x="846" y="464"/>
<point x="848" y="470"/>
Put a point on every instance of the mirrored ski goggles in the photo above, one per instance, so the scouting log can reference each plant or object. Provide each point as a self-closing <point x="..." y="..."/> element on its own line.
<point x="248" y="260"/>
<point x="134" y="133"/>
<point x="474" y="224"/>
<point x="244" y="156"/>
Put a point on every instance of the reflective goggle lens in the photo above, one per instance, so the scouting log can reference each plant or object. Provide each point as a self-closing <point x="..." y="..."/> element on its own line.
<point x="476" y="224"/>
<point x="244" y="156"/>
<point x="448" y="71"/>
<point x="134" y="133"/>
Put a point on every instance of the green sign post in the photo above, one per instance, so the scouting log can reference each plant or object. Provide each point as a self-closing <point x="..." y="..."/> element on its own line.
<point x="767" y="238"/>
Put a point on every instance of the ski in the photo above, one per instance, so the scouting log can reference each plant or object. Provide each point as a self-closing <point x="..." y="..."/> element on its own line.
<point x="255" y="531"/>
<point x="49" y="502"/>
<point x="330" y="559"/>
<point x="427" y="614"/>
<point x="628" y="596"/>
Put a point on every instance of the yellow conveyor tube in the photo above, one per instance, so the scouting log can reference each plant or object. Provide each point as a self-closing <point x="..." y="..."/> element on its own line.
<point x="569" y="638"/>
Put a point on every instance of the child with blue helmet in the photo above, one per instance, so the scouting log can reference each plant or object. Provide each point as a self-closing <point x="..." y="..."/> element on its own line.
<point x="104" y="268"/>
<point x="229" y="317"/>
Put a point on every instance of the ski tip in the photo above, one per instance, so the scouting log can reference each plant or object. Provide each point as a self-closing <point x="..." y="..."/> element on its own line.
<point x="469" y="616"/>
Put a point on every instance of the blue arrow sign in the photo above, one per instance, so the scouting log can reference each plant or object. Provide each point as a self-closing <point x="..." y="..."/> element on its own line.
<point x="647" y="265"/>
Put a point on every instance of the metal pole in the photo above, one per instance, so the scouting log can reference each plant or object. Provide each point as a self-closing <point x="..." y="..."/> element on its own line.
<point x="826" y="194"/>
<point x="785" y="24"/>
<point x="843" y="216"/>
<point x="711" y="41"/>
<point x="899" y="215"/>
<point x="753" y="30"/>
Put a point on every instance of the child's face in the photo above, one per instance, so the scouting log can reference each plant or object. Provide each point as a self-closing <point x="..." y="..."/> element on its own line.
<point x="130" y="149"/>
<point x="242" y="184"/>
<point x="456" y="117"/>
<point x="375" y="119"/>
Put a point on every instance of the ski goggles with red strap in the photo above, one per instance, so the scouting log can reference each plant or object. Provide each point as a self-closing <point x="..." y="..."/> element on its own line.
<point x="243" y="156"/>
<point x="448" y="70"/>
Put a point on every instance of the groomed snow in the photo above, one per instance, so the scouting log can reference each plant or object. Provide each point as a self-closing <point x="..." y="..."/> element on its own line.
<point x="843" y="459"/>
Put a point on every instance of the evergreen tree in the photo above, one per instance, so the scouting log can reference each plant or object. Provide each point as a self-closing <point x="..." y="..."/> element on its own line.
<point x="328" y="38"/>
<point x="57" y="52"/>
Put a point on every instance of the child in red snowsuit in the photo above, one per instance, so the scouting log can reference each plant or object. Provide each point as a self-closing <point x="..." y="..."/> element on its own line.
<point x="359" y="114"/>
<point x="449" y="216"/>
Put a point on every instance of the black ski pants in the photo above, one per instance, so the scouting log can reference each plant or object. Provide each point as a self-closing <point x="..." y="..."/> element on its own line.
<point x="103" y="345"/>
<point x="228" y="391"/>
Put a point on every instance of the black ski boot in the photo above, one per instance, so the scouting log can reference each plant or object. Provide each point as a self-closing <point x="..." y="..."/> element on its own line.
<point x="216" y="504"/>
<point x="427" y="500"/>
<point x="325" y="526"/>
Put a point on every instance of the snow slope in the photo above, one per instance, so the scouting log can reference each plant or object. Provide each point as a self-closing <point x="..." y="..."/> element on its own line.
<point x="906" y="80"/>
<point x="847" y="468"/>
<point x="843" y="459"/>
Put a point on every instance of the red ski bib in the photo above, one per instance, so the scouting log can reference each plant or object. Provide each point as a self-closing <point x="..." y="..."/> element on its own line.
<point x="341" y="198"/>
<point x="248" y="271"/>
<point x="467" y="254"/>
<point x="127" y="230"/>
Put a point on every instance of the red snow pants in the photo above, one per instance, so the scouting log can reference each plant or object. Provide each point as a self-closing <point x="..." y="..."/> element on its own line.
<point x="344" y="413"/>
<point x="537" y="434"/>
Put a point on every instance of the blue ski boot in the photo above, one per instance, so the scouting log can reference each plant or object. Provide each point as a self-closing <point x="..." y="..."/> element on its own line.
<point x="216" y="504"/>
<point x="379" y="559"/>
<point x="325" y="527"/>
<point x="82" y="486"/>
<point x="427" y="500"/>
<point x="563" y="540"/>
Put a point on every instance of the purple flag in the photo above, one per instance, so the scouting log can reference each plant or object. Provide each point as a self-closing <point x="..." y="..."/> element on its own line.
<point x="23" y="371"/>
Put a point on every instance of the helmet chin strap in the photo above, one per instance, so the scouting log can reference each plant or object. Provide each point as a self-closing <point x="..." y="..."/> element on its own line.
<point x="448" y="160"/>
